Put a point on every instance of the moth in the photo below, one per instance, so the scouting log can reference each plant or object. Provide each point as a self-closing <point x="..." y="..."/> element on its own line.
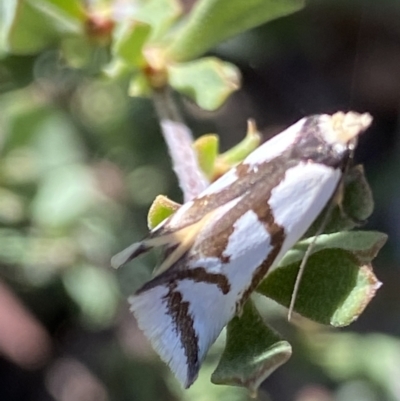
<point x="221" y="245"/>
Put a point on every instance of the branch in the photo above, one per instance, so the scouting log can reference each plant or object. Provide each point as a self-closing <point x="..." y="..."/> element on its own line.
<point x="179" y="140"/>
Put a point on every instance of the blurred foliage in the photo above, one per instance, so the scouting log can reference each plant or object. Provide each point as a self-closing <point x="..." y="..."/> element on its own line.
<point x="81" y="163"/>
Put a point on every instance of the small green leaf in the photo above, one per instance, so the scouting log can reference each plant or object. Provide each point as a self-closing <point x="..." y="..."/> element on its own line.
<point x="65" y="10"/>
<point x="212" y="21"/>
<point x="239" y="152"/>
<point x="27" y="26"/>
<point x="207" y="150"/>
<point x="161" y="209"/>
<point x="160" y="14"/>
<point x="252" y="352"/>
<point x="363" y="245"/>
<point x="129" y="41"/>
<point x="358" y="203"/>
<point x="208" y="81"/>
<point x="334" y="289"/>
<point x="24" y="29"/>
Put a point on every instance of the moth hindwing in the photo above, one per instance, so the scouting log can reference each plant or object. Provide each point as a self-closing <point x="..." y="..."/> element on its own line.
<point x="221" y="244"/>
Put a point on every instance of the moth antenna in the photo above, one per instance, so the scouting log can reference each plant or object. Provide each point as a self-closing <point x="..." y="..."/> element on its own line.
<point x="357" y="58"/>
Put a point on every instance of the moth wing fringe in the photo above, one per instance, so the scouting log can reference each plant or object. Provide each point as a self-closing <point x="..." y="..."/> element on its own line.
<point x="158" y="326"/>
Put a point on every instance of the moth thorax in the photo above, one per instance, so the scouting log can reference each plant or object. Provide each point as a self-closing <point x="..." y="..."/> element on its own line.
<point x="340" y="129"/>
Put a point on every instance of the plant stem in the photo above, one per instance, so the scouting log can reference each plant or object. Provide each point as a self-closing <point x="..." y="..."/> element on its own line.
<point x="179" y="139"/>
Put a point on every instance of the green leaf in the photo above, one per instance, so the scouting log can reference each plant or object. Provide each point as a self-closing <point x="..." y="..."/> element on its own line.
<point x="358" y="203"/>
<point x="363" y="245"/>
<point x="358" y="298"/>
<point x="129" y="41"/>
<point x="160" y="14"/>
<point x="207" y="150"/>
<point x="212" y="21"/>
<point x="208" y="81"/>
<point x="239" y="152"/>
<point x="334" y="289"/>
<point x="161" y="209"/>
<point x="28" y="26"/>
<point x="64" y="10"/>
<point x="253" y="351"/>
<point x="214" y="165"/>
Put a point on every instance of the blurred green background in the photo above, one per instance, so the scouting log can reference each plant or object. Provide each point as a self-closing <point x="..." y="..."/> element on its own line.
<point x="81" y="162"/>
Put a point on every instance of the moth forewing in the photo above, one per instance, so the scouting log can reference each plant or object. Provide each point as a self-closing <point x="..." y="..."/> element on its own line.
<point x="260" y="209"/>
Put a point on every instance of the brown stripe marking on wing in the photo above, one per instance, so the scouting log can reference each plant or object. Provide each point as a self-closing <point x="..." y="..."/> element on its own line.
<point x="277" y="233"/>
<point x="197" y="274"/>
<point x="184" y="327"/>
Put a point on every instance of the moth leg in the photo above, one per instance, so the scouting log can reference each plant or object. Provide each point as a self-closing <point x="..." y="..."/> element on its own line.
<point x="239" y="309"/>
<point x="338" y="199"/>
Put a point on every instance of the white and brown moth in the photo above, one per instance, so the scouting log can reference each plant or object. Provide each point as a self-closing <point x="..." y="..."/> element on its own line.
<point x="220" y="245"/>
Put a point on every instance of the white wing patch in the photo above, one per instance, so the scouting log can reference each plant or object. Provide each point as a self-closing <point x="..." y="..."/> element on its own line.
<point x="274" y="146"/>
<point x="295" y="211"/>
<point x="246" y="255"/>
<point x="248" y="226"/>
<point x="210" y="309"/>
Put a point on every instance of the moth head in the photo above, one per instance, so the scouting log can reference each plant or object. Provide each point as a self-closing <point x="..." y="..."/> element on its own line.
<point x="342" y="129"/>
